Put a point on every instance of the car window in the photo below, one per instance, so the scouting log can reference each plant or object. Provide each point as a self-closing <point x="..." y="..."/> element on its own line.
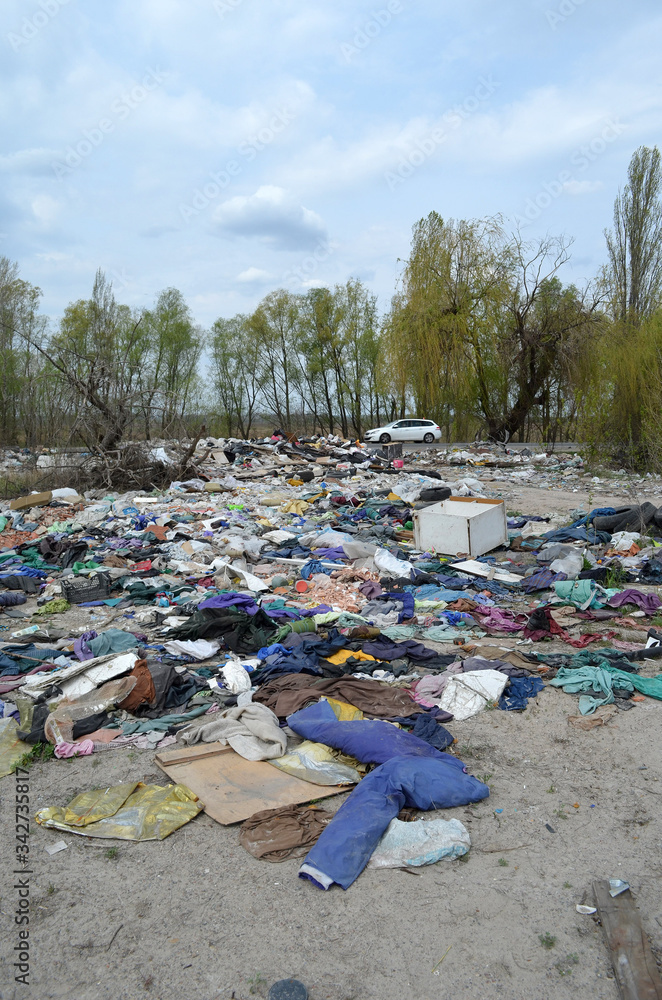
<point x="401" y="423"/>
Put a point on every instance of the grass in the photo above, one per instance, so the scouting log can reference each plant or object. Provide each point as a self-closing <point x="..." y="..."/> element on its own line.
<point x="560" y="813"/>
<point x="112" y="853"/>
<point x="564" y="965"/>
<point x="503" y="862"/>
<point x="485" y="778"/>
<point x="257" y="983"/>
<point x="40" y="751"/>
<point x="567" y="885"/>
<point x="551" y="790"/>
<point x="547" y="940"/>
<point x="51" y="890"/>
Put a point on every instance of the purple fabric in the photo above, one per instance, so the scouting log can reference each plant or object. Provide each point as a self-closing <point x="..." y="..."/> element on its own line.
<point x="321" y="609"/>
<point x="371" y="589"/>
<point x="81" y="648"/>
<point x="500" y="620"/>
<point x="337" y="553"/>
<point x="646" y="602"/>
<point x="241" y="601"/>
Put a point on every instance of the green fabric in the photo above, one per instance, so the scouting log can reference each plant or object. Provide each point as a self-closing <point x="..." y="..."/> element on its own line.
<point x="89" y="564"/>
<point x="581" y="593"/>
<point x="301" y="625"/>
<point x="164" y="723"/>
<point x="54" y="607"/>
<point x="602" y="676"/>
<point x="114" y="640"/>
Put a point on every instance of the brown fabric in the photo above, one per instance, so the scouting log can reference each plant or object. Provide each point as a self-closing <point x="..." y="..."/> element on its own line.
<point x="144" y="693"/>
<point x="114" y="561"/>
<point x="288" y="694"/>
<point x="462" y="604"/>
<point x="512" y="656"/>
<point x="158" y="530"/>
<point x="601" y="717"/>
<point x="279" y="834"/>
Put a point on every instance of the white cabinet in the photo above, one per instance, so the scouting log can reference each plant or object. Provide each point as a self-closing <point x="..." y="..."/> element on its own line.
<point x="461" y="525"/>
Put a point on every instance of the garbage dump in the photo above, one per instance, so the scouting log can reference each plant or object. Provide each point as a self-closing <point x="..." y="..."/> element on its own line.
<point x="272" y="633"/>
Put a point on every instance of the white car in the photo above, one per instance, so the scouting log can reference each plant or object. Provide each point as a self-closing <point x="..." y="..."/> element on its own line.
<point x="405" y="430"/>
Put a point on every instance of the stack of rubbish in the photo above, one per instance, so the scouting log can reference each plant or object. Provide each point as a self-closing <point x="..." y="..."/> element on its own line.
<point x="288" y="620"/>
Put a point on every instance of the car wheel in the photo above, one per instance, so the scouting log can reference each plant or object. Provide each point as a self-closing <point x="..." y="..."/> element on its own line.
<point x="385" y="438"/>
<point x="429" y="438"/>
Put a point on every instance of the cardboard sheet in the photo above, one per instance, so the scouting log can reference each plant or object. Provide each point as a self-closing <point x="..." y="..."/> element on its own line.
<point x="233" y="788"/>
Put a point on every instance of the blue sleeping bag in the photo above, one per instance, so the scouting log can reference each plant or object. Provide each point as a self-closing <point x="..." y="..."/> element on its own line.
<point x="370" y="741"/>
<point x="411" y="773"/>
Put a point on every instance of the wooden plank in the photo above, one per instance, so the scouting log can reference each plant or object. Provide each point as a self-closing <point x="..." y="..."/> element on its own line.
<point x="233" y="788"/>
<point x="634" y="964"/>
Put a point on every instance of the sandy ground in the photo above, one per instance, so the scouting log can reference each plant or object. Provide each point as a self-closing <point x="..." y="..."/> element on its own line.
<point x="195" y="917"/>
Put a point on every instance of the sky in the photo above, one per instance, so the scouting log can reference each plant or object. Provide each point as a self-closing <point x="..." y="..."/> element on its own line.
<point x="232" y="147"/>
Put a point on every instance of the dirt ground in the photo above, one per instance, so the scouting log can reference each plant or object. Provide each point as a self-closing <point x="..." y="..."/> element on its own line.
<point x="195" y="917"/>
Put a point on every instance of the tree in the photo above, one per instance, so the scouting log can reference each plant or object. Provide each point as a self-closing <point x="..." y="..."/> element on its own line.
<point x="237" y="372"/>
<point x="488" y="325"/>
<point x="275" y="325"/>
<point x="633" y="276"/>
<point x="173" y="352"/>
<point x="20" y="373"/>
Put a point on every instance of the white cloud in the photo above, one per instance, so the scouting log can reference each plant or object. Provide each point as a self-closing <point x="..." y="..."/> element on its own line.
<point x="273" y="216"/>
<point x="28" y="161"/>
<point x="254" y="275"/>
<point x="582" y="187"/>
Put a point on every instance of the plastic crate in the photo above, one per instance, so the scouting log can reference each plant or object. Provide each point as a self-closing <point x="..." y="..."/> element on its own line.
<point x="81" y="589"/>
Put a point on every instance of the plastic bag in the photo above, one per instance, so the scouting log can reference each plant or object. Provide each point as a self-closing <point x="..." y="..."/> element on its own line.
<point x="59" y="726"/>
<point x="125" y="812"/>
<point x="422" y="842"/>
<point x="319" y="764"/>
<point x="571" y="564"/>
<point x="235" y="677"/>
<point x="11" y="748"/>
<point x="467" y="694"/>
<point x="389" y="565"/>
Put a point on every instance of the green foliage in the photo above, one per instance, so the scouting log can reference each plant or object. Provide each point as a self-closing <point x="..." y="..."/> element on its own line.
<point x="547" y="940"/>
<point x="39" y="752"/>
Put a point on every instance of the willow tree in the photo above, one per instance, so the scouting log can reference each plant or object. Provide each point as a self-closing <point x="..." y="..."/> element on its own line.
<point x="488" y="325"/>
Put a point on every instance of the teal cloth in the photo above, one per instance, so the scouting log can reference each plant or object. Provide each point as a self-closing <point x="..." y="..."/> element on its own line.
<point x="112" y="641"/>
<point x="400" y="632"/>
<point x="581" y="593"/>
<point x="164" y="723"/>
<point x="603" y="678"/>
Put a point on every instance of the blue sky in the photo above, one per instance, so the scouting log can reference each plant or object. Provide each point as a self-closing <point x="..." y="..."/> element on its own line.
<point x="229" y="147"/>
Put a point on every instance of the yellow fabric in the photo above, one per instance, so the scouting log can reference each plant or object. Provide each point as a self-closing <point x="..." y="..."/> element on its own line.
<point x="295" y="507"/>
<point x="345" y="712"/>
<point x="125" y="812"/>
<point x="11" y="748"/>
<point x="320" y="764"/>
<point x="344" y="654"/>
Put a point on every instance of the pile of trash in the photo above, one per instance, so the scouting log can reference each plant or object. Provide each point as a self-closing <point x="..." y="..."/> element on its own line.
<point x="275" y="634"/>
